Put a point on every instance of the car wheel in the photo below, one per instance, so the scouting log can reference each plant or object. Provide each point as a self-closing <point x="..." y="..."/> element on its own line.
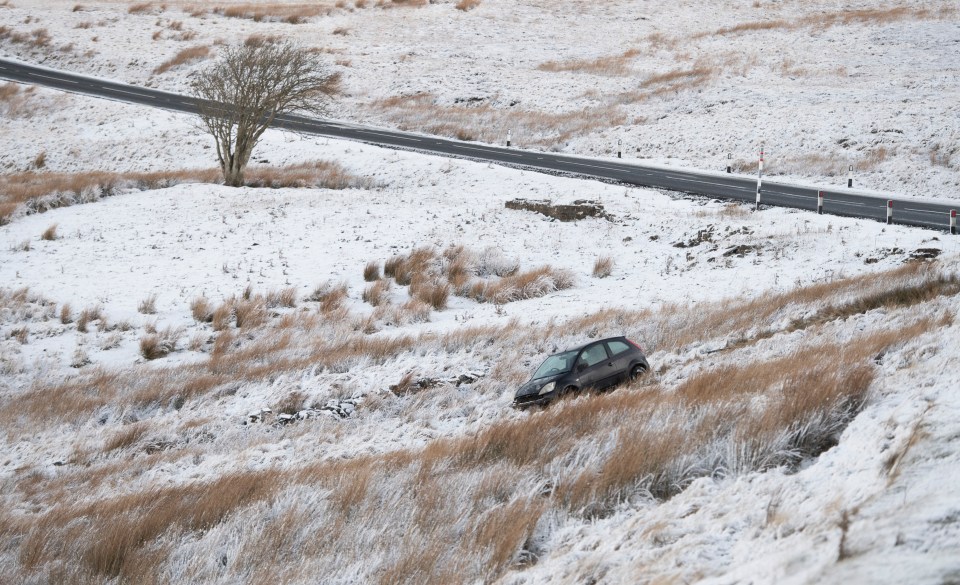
<point x="567" y="391"/>
<point x="637" y="371"/>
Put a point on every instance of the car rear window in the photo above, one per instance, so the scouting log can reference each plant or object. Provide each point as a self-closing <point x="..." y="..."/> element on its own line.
<point x="617" y="347"/>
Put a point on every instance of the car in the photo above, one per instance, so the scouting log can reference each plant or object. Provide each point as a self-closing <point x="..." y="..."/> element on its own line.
<point x="596" y="365"/>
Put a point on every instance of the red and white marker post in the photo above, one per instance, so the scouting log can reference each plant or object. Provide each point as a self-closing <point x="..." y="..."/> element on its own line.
<point x="889" y="211"/>
<point x="953" y="221"/>
<point x="819" y="202"/>
<point x="759" y="177"/>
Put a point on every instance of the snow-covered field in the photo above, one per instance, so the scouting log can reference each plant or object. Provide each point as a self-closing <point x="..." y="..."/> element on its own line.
<point x="116" y="466"/>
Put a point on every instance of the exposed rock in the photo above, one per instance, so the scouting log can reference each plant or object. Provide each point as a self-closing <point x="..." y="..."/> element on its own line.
<point x="704" y="235"/>
<point x="741" y="250"/>
<point x="577" y="210"/>
<point x="409" y="386"/>
<point x="925" y="254"/>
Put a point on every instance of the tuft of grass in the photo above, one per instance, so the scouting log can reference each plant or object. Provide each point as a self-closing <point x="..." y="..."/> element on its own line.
<point x="371" y="271"/>
<point x="140" y="7"/>
<point x="201" y="310"/>
<point x="182" y="57"/>
<point x="613" y="65"/>
<point x="40" y="160"/>
<point x="20" y="334"/>
<point x="292" y="13"/>
<point x="431" y="292"/>
<point x="377" y="293"/>
<point x="603" y="267"/>
<point x="161" y="344"/>
<point x="50" y="233"/>
<point x="330" y="296"/>
<point x="522" y="285"/>
<point x="66" y="314"/>
<point x="466" y="5"/>
<point x="286" y="297"/>
<point x="148" y="306"/>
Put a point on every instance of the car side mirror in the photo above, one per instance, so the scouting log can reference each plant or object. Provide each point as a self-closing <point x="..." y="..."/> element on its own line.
<point x="581" y="367"/>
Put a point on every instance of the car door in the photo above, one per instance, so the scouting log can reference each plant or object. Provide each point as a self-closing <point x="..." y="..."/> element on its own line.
<point x="620" y="355"/>
<point x="593" y="366"/>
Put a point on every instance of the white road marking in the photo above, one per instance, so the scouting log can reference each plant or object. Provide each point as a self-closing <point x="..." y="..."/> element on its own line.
<point x="487" y="150"/>
<point x="53" y="78"/>
<point x="140" y="95"/>
<point x="589" y="166"/>
<point x="927" y="211"/>
<point x="394" y="136"/>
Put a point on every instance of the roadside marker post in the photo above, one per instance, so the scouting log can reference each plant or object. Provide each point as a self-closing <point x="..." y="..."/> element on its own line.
<point x="619" y="148"/>
<point x="850" y="176"/>
<point x="819" y="202"/>
<point x="729" y="168"/>
<point x="759" y="177"/>
<point x="889" y="211"/>
<point x="508" y="139"/>
<point x="953" y="222"/>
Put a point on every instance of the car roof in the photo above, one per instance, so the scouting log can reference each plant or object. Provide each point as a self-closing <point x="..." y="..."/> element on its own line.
<point x="579" y="347"/>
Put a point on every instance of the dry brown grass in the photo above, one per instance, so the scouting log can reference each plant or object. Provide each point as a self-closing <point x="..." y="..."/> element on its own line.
<point x="50" y="233"/>
<point x="202" y="310"/>
<point x="603" y="267"/>
<point x="466" y="5"/>
<point x="431" y="291"/>
<point x="844" y="17"/>
<point x="40" y="192"/>
<point x="522" y="285"/>
<point x="462" y="508"/>
<point x="184" y="56"/>
<point x="35" y="192"/>
<point x="148" y="306"/>
<point x="140" y="7"/>
<point x="294" y="13"/>
<point x="87" y="316"/>
<point x="320" y="174"/>
<point x="613" y="65"/>
<point x="484" y="277"/>
<point x="377" y="293"/>
<point x="126" y="437"/>
<point x="37" y="39"/>
<point x="330" y="296"/>
<point x="371" y="271"/>
<point x="488" y="123"/>
<point x="160" y="344"/>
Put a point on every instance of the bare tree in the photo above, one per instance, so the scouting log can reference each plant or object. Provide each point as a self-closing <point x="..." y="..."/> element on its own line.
<point x="244" y="91"/>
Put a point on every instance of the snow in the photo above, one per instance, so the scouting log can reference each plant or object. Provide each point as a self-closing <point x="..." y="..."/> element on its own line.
<point x="893" y="474"/>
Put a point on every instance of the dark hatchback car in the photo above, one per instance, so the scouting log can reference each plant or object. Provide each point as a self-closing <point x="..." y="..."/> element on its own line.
<point x="596" y="365"/>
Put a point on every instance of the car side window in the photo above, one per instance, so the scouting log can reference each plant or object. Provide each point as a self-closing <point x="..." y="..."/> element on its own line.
<point x="617" y="347"/>
<point x="593" y="355"/>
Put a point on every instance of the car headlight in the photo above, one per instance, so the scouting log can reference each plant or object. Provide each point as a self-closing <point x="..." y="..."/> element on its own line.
<point x="548" y="387"/>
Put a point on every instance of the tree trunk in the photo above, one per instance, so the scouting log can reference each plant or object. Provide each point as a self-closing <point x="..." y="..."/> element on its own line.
<point x="233" y="168"/>
<point x="233" y="175"/>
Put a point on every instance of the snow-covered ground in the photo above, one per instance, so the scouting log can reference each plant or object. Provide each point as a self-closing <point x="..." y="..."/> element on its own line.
<point x="881" y="506"/>
<point x="823" y="85"/>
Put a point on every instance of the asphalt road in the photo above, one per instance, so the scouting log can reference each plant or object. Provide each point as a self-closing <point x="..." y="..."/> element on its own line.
<point x="837" y="200"/>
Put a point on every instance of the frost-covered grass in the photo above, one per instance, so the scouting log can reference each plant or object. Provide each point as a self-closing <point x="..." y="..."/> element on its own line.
<point x="203" y="384"/>
<point x="458" y="508"/>
<point x="867" y="85"/>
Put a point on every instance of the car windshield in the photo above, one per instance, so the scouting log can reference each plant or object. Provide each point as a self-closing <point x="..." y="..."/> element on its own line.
<point x="556" y="364"/>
